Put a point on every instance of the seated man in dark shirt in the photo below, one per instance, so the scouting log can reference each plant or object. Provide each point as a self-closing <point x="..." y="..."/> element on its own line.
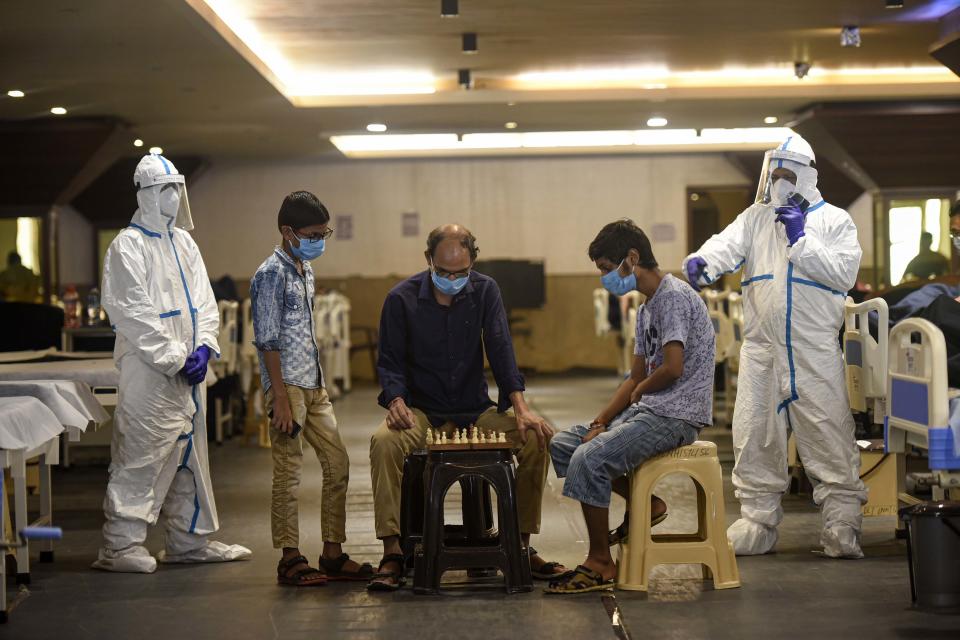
<point x="434" y="329"/>
<point x="928" y="263"/>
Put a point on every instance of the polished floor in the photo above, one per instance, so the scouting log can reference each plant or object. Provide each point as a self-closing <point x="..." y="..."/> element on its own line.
<point x="794" y="593"/>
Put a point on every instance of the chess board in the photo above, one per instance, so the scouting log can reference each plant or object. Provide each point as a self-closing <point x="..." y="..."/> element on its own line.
<point x="467" y="446"/>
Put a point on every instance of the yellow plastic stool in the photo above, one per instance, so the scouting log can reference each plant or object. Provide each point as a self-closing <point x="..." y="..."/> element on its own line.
<point x="709" y="546"/>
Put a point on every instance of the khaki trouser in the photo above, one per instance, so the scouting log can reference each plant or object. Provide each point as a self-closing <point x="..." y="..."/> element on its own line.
<point x="389" y="448"/>
<point x="312" y="410"/>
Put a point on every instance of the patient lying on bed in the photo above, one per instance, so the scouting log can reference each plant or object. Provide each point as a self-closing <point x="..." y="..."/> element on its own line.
<point x="940" y="304"/>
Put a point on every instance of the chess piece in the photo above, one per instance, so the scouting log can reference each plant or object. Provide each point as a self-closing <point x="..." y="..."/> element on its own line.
<point x="483" y="438"/>
<point x="474" y="439"/>
<point x="456" y="436"/>
<point x="429" y="437"/>
<point x="502" y="437"/>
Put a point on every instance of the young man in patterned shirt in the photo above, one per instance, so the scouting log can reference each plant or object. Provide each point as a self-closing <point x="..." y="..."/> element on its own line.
<point x="662" y="405"/>
<point x="282" y="297"/>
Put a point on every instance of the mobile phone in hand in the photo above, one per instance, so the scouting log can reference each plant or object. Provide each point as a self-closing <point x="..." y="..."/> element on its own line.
<point x="296" y="426"/>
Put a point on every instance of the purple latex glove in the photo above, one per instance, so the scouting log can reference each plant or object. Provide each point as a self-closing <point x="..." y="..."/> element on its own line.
<point x="195" y="369"/>
<point x="695" y="268"/>
<point x="793" y="218"/>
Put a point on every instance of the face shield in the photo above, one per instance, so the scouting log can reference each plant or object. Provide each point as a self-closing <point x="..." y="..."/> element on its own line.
<point x="162" y="190"/>
<point x="784" y="174"/>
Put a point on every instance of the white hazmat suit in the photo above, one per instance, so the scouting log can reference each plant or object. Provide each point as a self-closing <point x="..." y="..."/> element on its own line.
<point x="791" y="369"/>
<point x="158" y="297"/>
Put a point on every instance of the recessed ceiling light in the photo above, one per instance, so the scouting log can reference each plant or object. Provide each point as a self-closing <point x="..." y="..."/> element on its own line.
<point x="138" y="142"/>
<point x="15" y="93"/>
<point x="58" y="111"/>
<point x="657" y="122"/>
<point x="511" y="104"/>
<point x="694" y="196"/>
<point x="376" y="127"/>
<point x="511" y="125"/>
<point x="156" y="150"/>
<point x="771" y="120"/>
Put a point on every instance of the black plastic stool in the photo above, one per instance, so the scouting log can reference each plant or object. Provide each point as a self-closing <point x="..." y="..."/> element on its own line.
<point x="436" y="553"/>
<point x="477" y="506"/>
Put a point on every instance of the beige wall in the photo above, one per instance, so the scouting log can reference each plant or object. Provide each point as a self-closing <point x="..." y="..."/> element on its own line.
<point x="539" y="208"/>
<point x="527" y="208"/>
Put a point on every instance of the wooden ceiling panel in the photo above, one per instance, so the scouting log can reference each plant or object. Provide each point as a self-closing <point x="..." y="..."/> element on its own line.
<point x="41" y="156"/>
<point x="112" y="198"/>
<point x="899" y="145"/>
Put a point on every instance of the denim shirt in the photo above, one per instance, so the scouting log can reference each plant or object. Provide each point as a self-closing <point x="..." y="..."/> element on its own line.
<point x="282" y="305"/>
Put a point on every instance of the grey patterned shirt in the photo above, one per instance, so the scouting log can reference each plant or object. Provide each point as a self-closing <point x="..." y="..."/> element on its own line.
<point x="282" y="305"/>
<point x="676" y="313"/>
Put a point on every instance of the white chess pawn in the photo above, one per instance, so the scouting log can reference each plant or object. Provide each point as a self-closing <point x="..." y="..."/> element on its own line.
<point x="429" y="436"/>
<point x="473" y="436"/>
<point x="456" y="436"/>
<point x="502" y="437"/>
<point x="483" y="438"/>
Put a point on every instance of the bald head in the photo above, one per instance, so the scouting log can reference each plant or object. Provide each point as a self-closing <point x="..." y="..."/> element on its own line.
<point x="451" y="248"/>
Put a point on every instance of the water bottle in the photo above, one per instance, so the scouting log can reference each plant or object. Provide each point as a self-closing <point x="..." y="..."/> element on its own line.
<point x="93" y="307"/>
<point x="71" y="308"/>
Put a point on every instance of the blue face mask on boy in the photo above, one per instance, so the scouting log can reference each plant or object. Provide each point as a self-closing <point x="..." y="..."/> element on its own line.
<point x="446" y="286"/>
<point x="619" y="285"/>
<point x="308" y="249"/>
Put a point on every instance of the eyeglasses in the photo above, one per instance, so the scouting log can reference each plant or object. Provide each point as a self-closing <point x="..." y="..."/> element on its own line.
<point x="315" y="236"/>
<point x="443" y="273"/>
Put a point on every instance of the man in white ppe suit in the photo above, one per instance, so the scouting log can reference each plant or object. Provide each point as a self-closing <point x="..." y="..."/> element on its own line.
<point x="158" y="297"/>
<point x="799" y="256"/>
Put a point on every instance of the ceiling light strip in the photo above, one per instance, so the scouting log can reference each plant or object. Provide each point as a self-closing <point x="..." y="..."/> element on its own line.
<point x="409" y="145"/>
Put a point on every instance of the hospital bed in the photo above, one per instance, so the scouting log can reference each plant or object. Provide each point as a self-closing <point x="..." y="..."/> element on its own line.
<point x="922" y="411"/>
<point x="332" y="326"/>
<point x="723" y="307"/>
<point x="28" y="429"/>
<point x="226" y="365"/>
<point x="629" y="307"/>
<point x="601" y="312"/>
<point x="255" y="425"/>
<point x="98" y="373"/>
<point x="865" y="357"/>
<point x="628" y="324"/>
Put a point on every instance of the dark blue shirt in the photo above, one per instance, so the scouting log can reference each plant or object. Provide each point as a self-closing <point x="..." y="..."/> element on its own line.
<point x="432" y="355"/>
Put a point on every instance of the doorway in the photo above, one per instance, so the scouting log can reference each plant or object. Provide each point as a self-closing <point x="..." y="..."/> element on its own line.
<point x="709" y="211"/>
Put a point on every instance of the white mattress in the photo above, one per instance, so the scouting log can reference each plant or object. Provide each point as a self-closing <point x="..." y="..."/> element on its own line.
<point x="71" y="401"/>
<point x="96" y="373"/>
<point x="26" y="423"/>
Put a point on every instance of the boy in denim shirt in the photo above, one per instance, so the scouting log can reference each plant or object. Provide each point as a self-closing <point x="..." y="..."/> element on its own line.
<point x="281" y="293"/>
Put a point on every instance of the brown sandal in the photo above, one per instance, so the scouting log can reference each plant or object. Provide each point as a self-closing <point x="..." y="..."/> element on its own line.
<point x="306" y="577"/>
<point x="334" y="569"/>
<point x="379" y="580"/>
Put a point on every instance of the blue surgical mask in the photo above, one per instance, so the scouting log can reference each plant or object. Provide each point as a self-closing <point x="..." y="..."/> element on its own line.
<point x="308" y="249"/>
<point x="619" y="285"/>
<point x="449" y="287"/>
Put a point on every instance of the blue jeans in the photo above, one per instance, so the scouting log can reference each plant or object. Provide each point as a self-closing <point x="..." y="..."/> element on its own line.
<point x="636" y="435"/>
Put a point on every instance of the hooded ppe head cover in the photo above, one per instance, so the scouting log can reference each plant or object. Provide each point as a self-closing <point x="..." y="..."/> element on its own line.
<point x="795" y="155"/>
<point x="162" y="193"/>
